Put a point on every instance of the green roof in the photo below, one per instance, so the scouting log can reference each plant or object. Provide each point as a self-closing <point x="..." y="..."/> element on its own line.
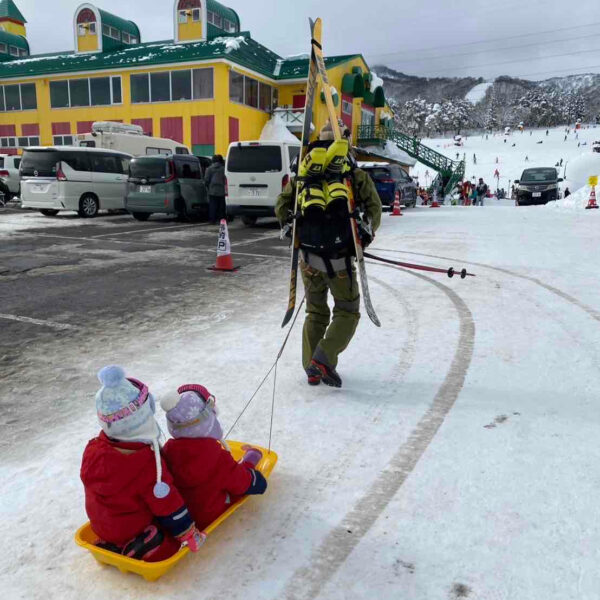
<point x="108" y="43"/>
<point x="240" y="49"/>
<point x="10" y="39"/>
<point x="224" y="11"/>
<point x="297" y="68"/>
<point x="8" y="9"/>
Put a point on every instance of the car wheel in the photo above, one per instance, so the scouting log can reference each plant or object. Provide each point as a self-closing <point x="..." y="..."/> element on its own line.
<point x="88" y="206"/>
<point x="48" y="212"/>
<point x="138" y="216"/>
<point x="249" y="221"/>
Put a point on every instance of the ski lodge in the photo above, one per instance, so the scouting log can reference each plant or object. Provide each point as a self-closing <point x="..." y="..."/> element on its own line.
<point x="210" y="85"/>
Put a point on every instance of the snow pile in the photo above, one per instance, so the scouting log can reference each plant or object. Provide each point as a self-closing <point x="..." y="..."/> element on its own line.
<point x="376" y="81"/>
<point x="393" y="152"/>
<point x="575" y="202"/>
<point x="581" y="168"/>
<point x="301" y="56"/>
<point x="477" y="94"/>
<point x="230" y="43"/>
<point x="276" y="130"/>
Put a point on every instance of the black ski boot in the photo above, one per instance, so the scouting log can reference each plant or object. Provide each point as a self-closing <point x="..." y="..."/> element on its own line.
<point x="109" y="546"/>
<point x="313" y="378"/>
<point x="328" y="375"/>
<point x="145" y="544"/>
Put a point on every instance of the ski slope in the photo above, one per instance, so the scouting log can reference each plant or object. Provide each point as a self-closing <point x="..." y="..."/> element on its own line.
<point x="511" y="159"/>
<point x="458" y="461"/>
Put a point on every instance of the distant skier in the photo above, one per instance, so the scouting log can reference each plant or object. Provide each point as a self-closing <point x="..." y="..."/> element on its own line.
<point x="514" y="145"/>
<point x="457" y="156"/>
<point x="496" y="160"/>
<point x="547" y="132"/>
<point x="505" y="140"/>
<point x="474" y="159"/>
<point x="567" y="192"/>
<point x="527" y="159"/>
<point x="565" y="138"/>
<point x="327" y="246"/>
<point x="561" y="163"/>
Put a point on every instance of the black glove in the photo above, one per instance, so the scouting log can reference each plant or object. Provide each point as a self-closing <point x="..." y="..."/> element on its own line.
<point x="365" y="233"/>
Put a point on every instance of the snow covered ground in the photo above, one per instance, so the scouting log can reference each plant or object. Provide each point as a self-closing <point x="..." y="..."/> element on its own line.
<point x="458" y="461"/>
<point x="511" y="159"/>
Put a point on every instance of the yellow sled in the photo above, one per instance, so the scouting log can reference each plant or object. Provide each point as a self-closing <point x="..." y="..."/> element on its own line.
<point x="151" y="571"/>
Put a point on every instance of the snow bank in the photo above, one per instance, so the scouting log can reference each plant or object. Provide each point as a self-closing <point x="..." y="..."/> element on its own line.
<point x="477" y="94"/>
<point x="230" y="43"/>
<point x="390" y="150"/>
<point x="575" y="202"/>
<point x="579" y="170"/>
<point x="276" y="131"/>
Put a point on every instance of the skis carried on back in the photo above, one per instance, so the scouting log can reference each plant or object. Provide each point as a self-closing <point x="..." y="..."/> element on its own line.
<point x="360" y="260"/>
<point x="316" y="29"/>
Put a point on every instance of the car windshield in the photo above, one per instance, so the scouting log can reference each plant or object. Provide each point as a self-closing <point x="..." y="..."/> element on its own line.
<point x="39" y="163"/>
<point x="254" y="159"/>
<point x="538" y="175"/>
<point x="148" y="168"/>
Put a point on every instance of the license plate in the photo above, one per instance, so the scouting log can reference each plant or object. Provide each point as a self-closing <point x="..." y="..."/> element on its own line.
<point x="38" y="187"/>
<point x="254" y="192"/>
<point x="145" y="189"/>
<point x="537" y="194"/>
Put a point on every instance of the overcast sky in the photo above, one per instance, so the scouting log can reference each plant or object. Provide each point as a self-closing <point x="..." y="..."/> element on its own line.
<point x="534" y="39"/>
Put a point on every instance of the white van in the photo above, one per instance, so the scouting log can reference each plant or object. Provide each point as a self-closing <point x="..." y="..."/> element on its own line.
<point x="256" y="174"/>
<point x="127" y="138"/>
<point x="71" y="178"/>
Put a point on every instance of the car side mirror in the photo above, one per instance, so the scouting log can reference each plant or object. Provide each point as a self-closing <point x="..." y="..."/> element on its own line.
<point x="560" y="179"/>
<point x="516" y="181"/>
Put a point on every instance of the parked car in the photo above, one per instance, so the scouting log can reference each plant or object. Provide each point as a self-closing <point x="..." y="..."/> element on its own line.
<point x="256" y="174"/>
<point x="85" y="180"/>
<point x="166" y="184"/>
<point x="10" y="181"/>
<point x="537" y="186"/>
<point x="391" y="177"/>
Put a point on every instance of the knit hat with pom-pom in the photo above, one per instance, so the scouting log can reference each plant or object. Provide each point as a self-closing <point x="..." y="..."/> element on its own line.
<point x="192" y="414"/>
<point x="125" y="410"/>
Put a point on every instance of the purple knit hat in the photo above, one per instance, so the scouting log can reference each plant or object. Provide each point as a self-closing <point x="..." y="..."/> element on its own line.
<point x="193" y="414"/>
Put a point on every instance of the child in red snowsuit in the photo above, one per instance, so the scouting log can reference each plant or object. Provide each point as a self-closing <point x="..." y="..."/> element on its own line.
<point x="130" y="498"/>
<point x="204" y="470"/>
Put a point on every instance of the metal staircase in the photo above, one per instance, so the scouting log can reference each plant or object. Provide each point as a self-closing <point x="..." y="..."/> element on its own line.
<point x="450" y="171"/>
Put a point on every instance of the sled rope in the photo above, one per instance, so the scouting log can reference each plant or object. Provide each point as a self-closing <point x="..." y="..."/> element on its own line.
<point x="273" y="368"/>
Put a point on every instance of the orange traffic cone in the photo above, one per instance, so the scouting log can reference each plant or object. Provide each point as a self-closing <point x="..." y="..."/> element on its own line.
<point x="434" y="204"/>
<point x="224" y="258"/>
<point x="397" y="212"/>
<point x="592" y="200"/>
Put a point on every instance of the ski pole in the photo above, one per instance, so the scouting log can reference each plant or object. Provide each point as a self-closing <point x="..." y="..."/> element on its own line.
<point x="450" y="272"/>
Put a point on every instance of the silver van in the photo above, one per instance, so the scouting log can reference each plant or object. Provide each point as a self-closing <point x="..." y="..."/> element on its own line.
<point x="256" y="173"/>
<point x="84" y="180"/>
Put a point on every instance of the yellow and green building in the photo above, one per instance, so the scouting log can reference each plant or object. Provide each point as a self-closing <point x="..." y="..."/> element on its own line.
<point x="210" y="85"/>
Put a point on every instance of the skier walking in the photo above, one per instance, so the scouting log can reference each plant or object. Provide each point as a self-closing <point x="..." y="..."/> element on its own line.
<point x="474" y="159"/>
<point x="482" y="190"/>
<point x="327" y="252"/>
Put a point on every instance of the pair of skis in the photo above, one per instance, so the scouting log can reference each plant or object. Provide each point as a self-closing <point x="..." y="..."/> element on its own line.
<point x="317" y="70"/>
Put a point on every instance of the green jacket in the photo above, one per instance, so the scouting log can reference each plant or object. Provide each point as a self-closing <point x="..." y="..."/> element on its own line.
<point x="365" y="196"/>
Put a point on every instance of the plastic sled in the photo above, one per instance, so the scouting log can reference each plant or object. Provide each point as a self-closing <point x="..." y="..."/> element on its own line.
<point x="151" y="571"/>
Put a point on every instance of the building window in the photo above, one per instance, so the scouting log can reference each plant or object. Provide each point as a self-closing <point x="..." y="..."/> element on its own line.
<point x="125" y="37"/>
<point x="18" y="97"/>
<point x="28" y="96"/>
<point x="62" y="140"/>
<point x="140" y="88"/>
<point x="265" y="97"/>
<point x="115" y="33"/>
<point x="14" y="51"/>
<point x="117" y="97"/>
<point x="236" y="87"/>
<point x="26" y="141"/>
<point x="250" y="92"/>
<point x="181" y="85"/>
<point x="218" y="20"/>
<point x="81" y="30"/>
<point x="203" y="84"/>
<point x="23" y="53"/>
<point x="95" y="91"/>
<point x="133" y="40"/>
<point x="3" y="48"/>
<point x="368" y="118"/>
<point x="160" y="87"/>
<point x="182" y="17"/>
<point x="92" y="28"/>
<point x="210" y="17"/>
<point x="79" y="92"/>
<point x="106" y="30"/>
<point x="196" y="14"/>
<point x="172" y="86"/>
<point x="346" y="107"/>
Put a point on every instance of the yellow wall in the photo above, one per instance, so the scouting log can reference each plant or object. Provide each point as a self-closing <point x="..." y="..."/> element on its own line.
<point x="192" y="30"/>
<point x="87" y="43"/>
<point x="12" y="27"/>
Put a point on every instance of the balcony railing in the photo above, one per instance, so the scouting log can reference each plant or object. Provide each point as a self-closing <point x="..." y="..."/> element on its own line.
<point x="292" y="117"/>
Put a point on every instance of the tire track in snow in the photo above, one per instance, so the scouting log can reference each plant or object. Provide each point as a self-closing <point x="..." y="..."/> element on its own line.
<point x="307" y="582"/>
<point x="592" y="312"/>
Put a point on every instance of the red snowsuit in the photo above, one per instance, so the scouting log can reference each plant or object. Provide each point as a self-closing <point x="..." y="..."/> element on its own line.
<point x="207" y="476"/>
<point x="119" y="498"/>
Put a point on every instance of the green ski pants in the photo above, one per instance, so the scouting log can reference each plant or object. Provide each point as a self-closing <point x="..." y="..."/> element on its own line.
<point x="322" y="339"/>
